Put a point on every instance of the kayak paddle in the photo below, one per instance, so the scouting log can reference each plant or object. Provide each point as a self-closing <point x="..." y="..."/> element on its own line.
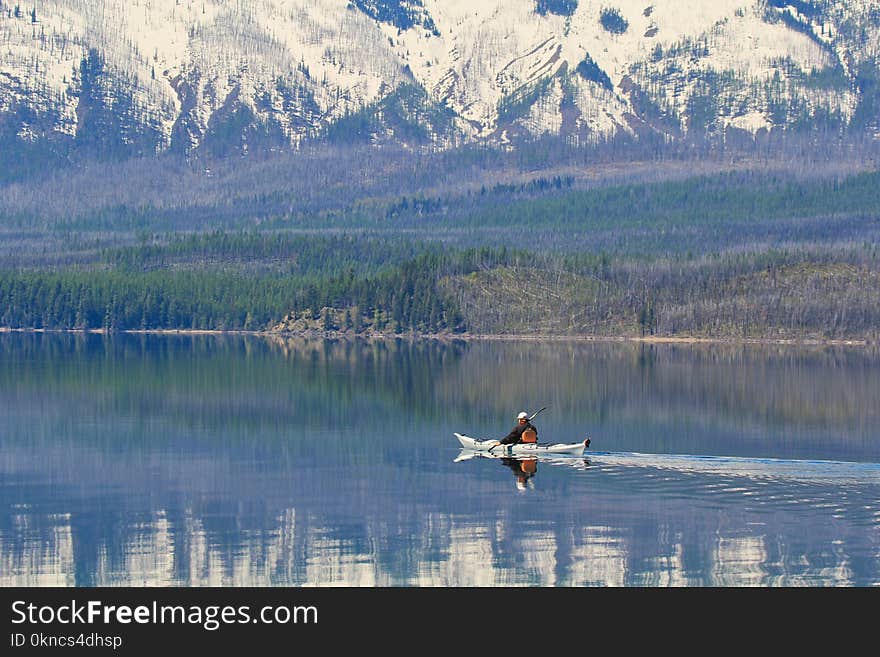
<point x="535" y="414"/>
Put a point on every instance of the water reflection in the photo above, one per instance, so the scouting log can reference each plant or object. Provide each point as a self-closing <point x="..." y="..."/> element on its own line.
<point x="524" y="468"/>
<point x="523" y="471"/>
<point x="299" y="551"/>
<point x="232" y="461"/>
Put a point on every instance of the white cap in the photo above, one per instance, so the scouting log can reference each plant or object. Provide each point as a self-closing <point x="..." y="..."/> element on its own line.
<point x="522" y="416"/>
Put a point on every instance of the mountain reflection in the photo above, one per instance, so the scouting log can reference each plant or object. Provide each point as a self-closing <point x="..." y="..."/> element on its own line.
<point x="305" y="553"/>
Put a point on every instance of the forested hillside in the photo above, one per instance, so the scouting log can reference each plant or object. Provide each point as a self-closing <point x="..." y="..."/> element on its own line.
<point x="756" y="253"/>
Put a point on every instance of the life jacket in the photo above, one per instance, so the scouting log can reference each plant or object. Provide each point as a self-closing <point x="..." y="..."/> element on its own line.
<point x="529" y="436"/>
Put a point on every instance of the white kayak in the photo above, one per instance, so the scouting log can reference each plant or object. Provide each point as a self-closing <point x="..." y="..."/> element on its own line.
<point x="521" y="449"/>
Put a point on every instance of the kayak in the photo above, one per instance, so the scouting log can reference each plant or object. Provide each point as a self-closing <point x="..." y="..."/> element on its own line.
<point x="521" y="449"/>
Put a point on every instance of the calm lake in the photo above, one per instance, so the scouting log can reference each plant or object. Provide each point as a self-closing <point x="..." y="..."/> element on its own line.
<point x="243" y="461"/>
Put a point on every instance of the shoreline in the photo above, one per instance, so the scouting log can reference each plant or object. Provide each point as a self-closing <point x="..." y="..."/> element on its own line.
<point x="469" y="337"/>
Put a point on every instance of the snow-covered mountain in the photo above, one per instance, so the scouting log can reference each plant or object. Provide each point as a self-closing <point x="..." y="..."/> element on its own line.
<point x="128" y="77"/>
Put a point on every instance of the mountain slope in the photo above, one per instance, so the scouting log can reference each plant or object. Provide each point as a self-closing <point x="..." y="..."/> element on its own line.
<point x="133" y="77"/>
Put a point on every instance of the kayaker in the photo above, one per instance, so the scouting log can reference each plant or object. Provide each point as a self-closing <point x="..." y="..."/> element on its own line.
<point x="522" y="424"/>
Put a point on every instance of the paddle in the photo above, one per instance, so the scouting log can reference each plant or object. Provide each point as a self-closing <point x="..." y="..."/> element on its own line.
<point x="532" y="417"/>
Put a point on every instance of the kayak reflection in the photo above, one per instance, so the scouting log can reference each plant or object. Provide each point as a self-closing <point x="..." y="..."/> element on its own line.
<point x="523" y="470"/>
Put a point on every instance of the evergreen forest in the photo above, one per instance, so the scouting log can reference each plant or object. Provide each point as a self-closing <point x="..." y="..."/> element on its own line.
<point x="470" y="243"/>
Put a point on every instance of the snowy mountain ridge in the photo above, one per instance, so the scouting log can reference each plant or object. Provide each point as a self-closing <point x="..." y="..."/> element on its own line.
<point x="141" y="76"/>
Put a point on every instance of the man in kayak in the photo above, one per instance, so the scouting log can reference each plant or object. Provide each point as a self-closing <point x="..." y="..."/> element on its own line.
<point x="516" y="434"/>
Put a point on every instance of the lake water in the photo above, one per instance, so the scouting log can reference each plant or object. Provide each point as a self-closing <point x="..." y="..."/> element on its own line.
<point x="232" y="460"/>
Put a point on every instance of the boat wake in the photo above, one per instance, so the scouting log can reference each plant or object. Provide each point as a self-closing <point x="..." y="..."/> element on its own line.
<point x="813" y="471"/>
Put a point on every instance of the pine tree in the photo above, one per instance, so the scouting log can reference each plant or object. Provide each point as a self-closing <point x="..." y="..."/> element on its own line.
<point x="327" y="320"/>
